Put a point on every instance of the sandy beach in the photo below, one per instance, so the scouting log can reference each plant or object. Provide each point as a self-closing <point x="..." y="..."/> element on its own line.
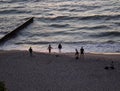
<point x="59" y="72"/>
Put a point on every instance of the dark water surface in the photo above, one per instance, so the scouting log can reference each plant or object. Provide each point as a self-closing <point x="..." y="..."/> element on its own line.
<point x="93" y="24"/>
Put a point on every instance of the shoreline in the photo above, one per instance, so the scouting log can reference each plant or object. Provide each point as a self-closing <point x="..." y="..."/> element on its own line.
<point x="92" y="55"/>
<point x="46" y="52"/>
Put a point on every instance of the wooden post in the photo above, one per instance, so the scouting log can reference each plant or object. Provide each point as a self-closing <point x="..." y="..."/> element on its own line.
<point x="13" y="33"/>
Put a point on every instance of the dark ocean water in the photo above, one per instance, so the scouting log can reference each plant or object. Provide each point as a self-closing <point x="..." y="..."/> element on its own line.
<point x="93" y="24"/>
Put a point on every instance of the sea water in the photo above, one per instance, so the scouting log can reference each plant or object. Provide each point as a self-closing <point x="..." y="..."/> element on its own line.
<point x="92" y="24"/>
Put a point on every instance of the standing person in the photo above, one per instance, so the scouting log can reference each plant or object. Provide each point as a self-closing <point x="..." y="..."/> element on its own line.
<point x="76" y="54"/>
<point x="49" y="48"/>
<point x="30" y="51"/>
<point x="82" y="51"/>
<point x="59" y="47"/>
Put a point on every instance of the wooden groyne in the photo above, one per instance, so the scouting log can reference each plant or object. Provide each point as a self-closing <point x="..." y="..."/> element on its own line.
<point x="13" y="33"/>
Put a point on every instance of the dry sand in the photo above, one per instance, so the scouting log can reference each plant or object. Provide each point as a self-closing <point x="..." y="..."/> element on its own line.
<point x="50" y="72"/>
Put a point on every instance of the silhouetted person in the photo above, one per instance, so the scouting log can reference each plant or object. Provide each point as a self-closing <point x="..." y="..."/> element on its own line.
<point x="76" y="54"/>
<point x="49" y="48"/>
<point x="82" y="53"/>
<point x="81" y="50"/>
<point x="59" y="47"/>
<point x="30" y="51"/>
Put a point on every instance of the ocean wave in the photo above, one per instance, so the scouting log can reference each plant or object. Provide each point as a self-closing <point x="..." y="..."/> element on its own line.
<point x="111" y="42"/>
<point x="106" y="34"/>
<point x="117" y="23"/>
<point x="95" y="27"/>
<point x="11" y="1"/>
<point x="94" y="17"/>
<point x="13" y="11"/>
<point x="83" y="8"/>
<point x="53" y="42"/>
<point x="59" y="25"/>
<point x="69" y="42"/>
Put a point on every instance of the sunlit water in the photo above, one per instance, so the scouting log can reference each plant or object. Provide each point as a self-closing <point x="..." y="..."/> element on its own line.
<point x="93" y="24"/>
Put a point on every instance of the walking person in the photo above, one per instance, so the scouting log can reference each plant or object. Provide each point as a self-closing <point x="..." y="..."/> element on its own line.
<point x="59" y="47"/>
<point x="30" y="51"/>
<point x="49" y="48"/>
<point x="76" y="54"/>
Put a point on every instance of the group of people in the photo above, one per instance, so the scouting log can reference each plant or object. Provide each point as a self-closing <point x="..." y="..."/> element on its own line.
<point x="60" y="47"/>
<point x="81" y="53"/>
<point x="49" y="49"/>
